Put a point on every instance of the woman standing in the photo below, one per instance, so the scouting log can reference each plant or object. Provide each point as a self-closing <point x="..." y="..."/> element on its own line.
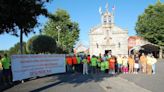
<point x="143" y="61"/>
<point x="149" y="65"/>
<point x="112" y="65"/>
<point x="131" y="64"/>
<point x="136" y="65"/>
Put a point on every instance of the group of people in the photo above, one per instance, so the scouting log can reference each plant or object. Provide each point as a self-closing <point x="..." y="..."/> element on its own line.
<point x="112" y="64"/>
<point x="96" y="64"/>
<point x="5" y="70"/>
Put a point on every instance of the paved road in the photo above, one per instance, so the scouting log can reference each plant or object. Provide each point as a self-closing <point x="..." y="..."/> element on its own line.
<point x="95" y="83"/>
<point x="78" y="83"/>
<point x="118" y="84"/>
<point x="155" y="83"/>
<point x="60" y="83"/>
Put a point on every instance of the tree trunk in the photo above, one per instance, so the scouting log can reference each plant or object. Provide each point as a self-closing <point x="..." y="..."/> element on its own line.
<point x="21" y="41"/>
<point x="160" y="52"/>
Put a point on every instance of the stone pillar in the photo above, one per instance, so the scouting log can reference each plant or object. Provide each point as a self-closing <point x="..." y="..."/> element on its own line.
<point x="160" y="52"/>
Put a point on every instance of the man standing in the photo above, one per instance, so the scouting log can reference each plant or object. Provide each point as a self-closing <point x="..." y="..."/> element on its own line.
<point x="93" y="64"/>
<point x="69" y="63"/>
<point x="85" y="66"/>
<point x="6" y="69"/>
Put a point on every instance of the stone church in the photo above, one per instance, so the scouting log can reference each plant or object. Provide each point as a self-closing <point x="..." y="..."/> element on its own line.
<point x="108" y="37"/>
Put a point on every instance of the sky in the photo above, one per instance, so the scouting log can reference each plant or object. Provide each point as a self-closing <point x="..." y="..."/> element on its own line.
<point x="86" y="13"/>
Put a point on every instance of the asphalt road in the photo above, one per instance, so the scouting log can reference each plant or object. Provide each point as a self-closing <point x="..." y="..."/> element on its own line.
<point x="154" y="83"/>
<point x="95" y="83"/>
<point x="60" y="83"/>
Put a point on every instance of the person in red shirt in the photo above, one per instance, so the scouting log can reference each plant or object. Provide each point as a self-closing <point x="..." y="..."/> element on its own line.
<point x="69" y="63"/>
<point x="112" y="65"/>
<point x="74" y="63"/>
<point x="88" y="59"/>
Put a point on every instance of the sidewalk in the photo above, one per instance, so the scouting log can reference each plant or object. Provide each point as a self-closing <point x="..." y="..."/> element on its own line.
<point x="118" y="84"/>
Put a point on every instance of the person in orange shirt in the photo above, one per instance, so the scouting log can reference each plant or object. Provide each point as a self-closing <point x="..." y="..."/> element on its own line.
<point x="143" y="61"/>
<point x="131" y="64"/>
<point x="69" y="63"/>
<point x="112" y="65"/>
<point x="74" y="59"/>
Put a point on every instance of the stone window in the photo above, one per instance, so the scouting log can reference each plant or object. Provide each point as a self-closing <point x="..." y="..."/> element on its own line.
<point x="119" y="45"/>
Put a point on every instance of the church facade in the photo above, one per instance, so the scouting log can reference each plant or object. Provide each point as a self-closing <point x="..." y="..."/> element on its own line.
<point x="108" y="37"/>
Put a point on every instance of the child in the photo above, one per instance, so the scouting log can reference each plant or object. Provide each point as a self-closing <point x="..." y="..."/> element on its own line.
<point x="125" y="64"/>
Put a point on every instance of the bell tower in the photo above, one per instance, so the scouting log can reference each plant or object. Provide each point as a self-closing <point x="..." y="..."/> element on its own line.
<point x="107" y="18"/>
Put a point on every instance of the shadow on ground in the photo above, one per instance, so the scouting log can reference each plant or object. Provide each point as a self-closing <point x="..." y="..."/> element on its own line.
<point x="74" y="78"/>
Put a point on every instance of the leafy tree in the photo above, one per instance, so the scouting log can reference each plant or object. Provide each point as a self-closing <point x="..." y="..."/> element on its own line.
<point x="61" y="27"/>
<point x="41" y="44"/>
<point x="16" y="49"/>
<point x="3" y="52"/>
<point x="150" y="24"/>
<point x="20" y="15"/>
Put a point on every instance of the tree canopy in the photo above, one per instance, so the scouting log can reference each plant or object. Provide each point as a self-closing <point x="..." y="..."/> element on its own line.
<point x="41" y="44"/>
<point x="20" y="15"/>
<point x="16" y="49"/>
<point x="61" y="27"/>
<point x="150" y="24"/>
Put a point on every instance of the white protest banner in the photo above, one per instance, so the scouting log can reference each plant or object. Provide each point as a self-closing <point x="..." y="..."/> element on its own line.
<point x="32" y="65"/>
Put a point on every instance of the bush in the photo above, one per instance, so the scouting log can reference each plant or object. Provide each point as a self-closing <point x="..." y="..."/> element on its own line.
<point x="41" y="44"/>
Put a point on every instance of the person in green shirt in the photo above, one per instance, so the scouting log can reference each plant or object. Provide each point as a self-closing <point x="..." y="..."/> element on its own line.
<point x="6" y="69"/>
<point x="102" y="66"/>
<point x="93" y="64"/>
<point x="85" y="65"/>
<point x="1" y="70"/>
<point x="79" y="64"/>
<point x="106" y="64"/>
<point x="98" y="63"/>
<point x="78" y="59"/>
